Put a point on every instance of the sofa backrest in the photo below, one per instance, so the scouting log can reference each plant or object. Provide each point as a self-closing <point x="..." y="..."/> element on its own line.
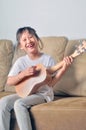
<point x="73" y="81"/>
<point x="6" y="55"/>
<point x="54" y="46"/>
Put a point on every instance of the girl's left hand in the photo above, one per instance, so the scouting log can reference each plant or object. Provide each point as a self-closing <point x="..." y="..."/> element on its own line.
<point x="68" y="60"/>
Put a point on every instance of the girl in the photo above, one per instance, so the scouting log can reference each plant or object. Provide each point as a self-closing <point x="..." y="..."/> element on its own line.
<point x="29" y="41"/>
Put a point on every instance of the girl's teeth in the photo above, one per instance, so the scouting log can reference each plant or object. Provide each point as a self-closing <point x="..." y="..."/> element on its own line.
<point x="30" y="45"/>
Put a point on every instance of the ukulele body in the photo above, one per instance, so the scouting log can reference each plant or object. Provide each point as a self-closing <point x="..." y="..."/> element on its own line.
<point x="30" y="85"/>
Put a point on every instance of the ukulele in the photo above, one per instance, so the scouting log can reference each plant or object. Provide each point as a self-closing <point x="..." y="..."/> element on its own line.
<point x="43" y="76"/>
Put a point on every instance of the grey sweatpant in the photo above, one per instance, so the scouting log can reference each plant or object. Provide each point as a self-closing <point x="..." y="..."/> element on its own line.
<point x="20" y="106"/>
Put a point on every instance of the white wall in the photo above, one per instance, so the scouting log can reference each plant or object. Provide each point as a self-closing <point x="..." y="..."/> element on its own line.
<point x="48" y="17"/>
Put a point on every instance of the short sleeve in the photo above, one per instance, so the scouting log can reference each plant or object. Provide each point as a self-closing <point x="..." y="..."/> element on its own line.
<point x="51" y="62"/>
<point x="16" y="68"/>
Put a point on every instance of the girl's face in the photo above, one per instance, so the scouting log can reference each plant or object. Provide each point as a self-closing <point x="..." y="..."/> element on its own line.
<point x="28" y="42"/>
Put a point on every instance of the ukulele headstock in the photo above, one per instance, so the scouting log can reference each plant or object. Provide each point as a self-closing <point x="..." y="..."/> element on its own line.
<point x="81" y="48"/>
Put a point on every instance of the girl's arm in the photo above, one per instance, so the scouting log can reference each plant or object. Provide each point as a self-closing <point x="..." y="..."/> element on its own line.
<point x="59" y="65"/>
<point x="13" y="80"/>
<point x="64" y="66"/>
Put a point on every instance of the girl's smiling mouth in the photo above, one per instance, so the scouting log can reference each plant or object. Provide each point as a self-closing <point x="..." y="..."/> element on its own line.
<point x="30" y="45"/>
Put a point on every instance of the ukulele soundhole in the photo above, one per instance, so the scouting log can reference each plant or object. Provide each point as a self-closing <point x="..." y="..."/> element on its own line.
<point x="37" y="73"/>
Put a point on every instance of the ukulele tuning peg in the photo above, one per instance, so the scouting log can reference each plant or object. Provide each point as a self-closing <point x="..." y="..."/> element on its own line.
<point x="84" y="49"/>
<point x="78" y="52"/>
<point x="79" y="43"/>
<point x="84" y="42"/>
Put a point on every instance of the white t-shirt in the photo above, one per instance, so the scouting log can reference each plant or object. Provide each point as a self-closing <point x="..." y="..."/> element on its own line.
<point x="25" y="62"/>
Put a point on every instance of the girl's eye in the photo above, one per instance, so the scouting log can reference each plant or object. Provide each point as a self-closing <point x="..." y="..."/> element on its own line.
<point x="28" y="38"/>
<point x="31" y="36"/>
<point x="24" y="40"/>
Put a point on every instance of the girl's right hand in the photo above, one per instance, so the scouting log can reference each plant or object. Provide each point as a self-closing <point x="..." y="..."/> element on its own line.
<point x="29" y="71"/>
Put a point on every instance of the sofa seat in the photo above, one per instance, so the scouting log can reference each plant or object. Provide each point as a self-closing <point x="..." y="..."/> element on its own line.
<point x="62" y="114"/>
<point x="4" y="93"/>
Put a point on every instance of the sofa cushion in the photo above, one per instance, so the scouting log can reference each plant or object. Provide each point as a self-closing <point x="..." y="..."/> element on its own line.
<point x="62" y="114"/>
<point x="6" y="54"/>
<point x="74" y="80"/>
<point x="3" y="93"/>
<point x="17" y="53"/>
<point x="53" y="46"/>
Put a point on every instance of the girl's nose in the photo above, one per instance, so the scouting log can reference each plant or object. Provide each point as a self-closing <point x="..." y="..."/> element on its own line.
<point x="28" y="40"/>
